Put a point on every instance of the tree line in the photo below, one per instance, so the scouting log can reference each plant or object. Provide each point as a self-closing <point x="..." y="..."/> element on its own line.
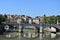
<point x="51" y="19"/>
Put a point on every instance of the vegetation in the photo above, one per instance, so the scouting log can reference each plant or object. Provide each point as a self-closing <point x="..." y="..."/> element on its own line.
<point x="45" y="19"/>
<point x="31" y="28"/>
<point x="51" y="19"/>
<point x="2" y="18"/>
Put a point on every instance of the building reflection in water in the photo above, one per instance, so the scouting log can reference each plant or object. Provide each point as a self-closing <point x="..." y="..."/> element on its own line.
<point x="30" y="32"/>
<point x="24" y="36"/>
<point x="21" y="36"/>
<point x="28" y="35"/>
<point x="26" y="31"/>
<point x="49" y="36"/>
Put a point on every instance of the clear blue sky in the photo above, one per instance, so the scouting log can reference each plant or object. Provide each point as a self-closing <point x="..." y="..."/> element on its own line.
<point x="30" y="7"/>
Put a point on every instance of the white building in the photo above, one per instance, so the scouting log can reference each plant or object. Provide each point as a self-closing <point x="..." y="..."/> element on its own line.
<point x="30" y="21"/>
<point x="36" y="20"/>
<point x="19" y="20"/>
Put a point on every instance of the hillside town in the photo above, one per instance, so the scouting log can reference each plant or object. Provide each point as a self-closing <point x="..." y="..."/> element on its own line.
<point x="27" y="19"/>
<point x="29" y="27"/>
<point x="23" y="19"/>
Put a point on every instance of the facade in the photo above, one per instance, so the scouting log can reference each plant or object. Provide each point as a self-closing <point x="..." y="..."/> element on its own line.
<point x="30" y="21"/>
<point x="41" y="19"/>
<point x="19" y="20"/>
<point x="9" y="18"/>
<point x="26" y="19"/>
<point x="36" y="20"/>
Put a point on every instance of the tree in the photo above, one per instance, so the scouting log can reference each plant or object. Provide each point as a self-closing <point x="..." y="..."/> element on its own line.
<point x="45" y="19"/>
<point x="51" y="20"/>
<point x="58" y="18"/>
<point x="2" y="18"/>
<point x="5" y="16"/>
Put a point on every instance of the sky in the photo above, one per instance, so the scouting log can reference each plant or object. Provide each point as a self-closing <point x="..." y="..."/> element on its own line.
<point x="31" y="8"/>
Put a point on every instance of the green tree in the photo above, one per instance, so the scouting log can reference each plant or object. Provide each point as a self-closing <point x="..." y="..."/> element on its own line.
<point x="52" y="20"/>
<point x="45" y="19"/>
<point x="58" y="18"/>
<point x="2" y="18"/>
<point x="5" y="16"/>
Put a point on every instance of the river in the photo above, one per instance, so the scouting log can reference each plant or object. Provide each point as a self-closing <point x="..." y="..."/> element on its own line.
<point x="16" y="36"/>
<point x="45" y="36"/>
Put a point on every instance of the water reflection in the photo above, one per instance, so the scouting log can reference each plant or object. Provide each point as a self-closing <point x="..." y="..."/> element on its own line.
<point x="20" y="36"/>
<point x="49" y="36"/>
<point x="12" y="35"/>
<point x="53" y="35"/>
<point x="16" y="36"/>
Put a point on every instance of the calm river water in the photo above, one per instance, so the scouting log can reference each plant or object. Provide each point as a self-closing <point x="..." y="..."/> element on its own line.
<point x="45" y="36"/>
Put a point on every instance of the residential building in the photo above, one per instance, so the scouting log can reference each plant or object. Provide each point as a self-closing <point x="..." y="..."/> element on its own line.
<point x="36" y="20"/>
<point x="30" y="20"/>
